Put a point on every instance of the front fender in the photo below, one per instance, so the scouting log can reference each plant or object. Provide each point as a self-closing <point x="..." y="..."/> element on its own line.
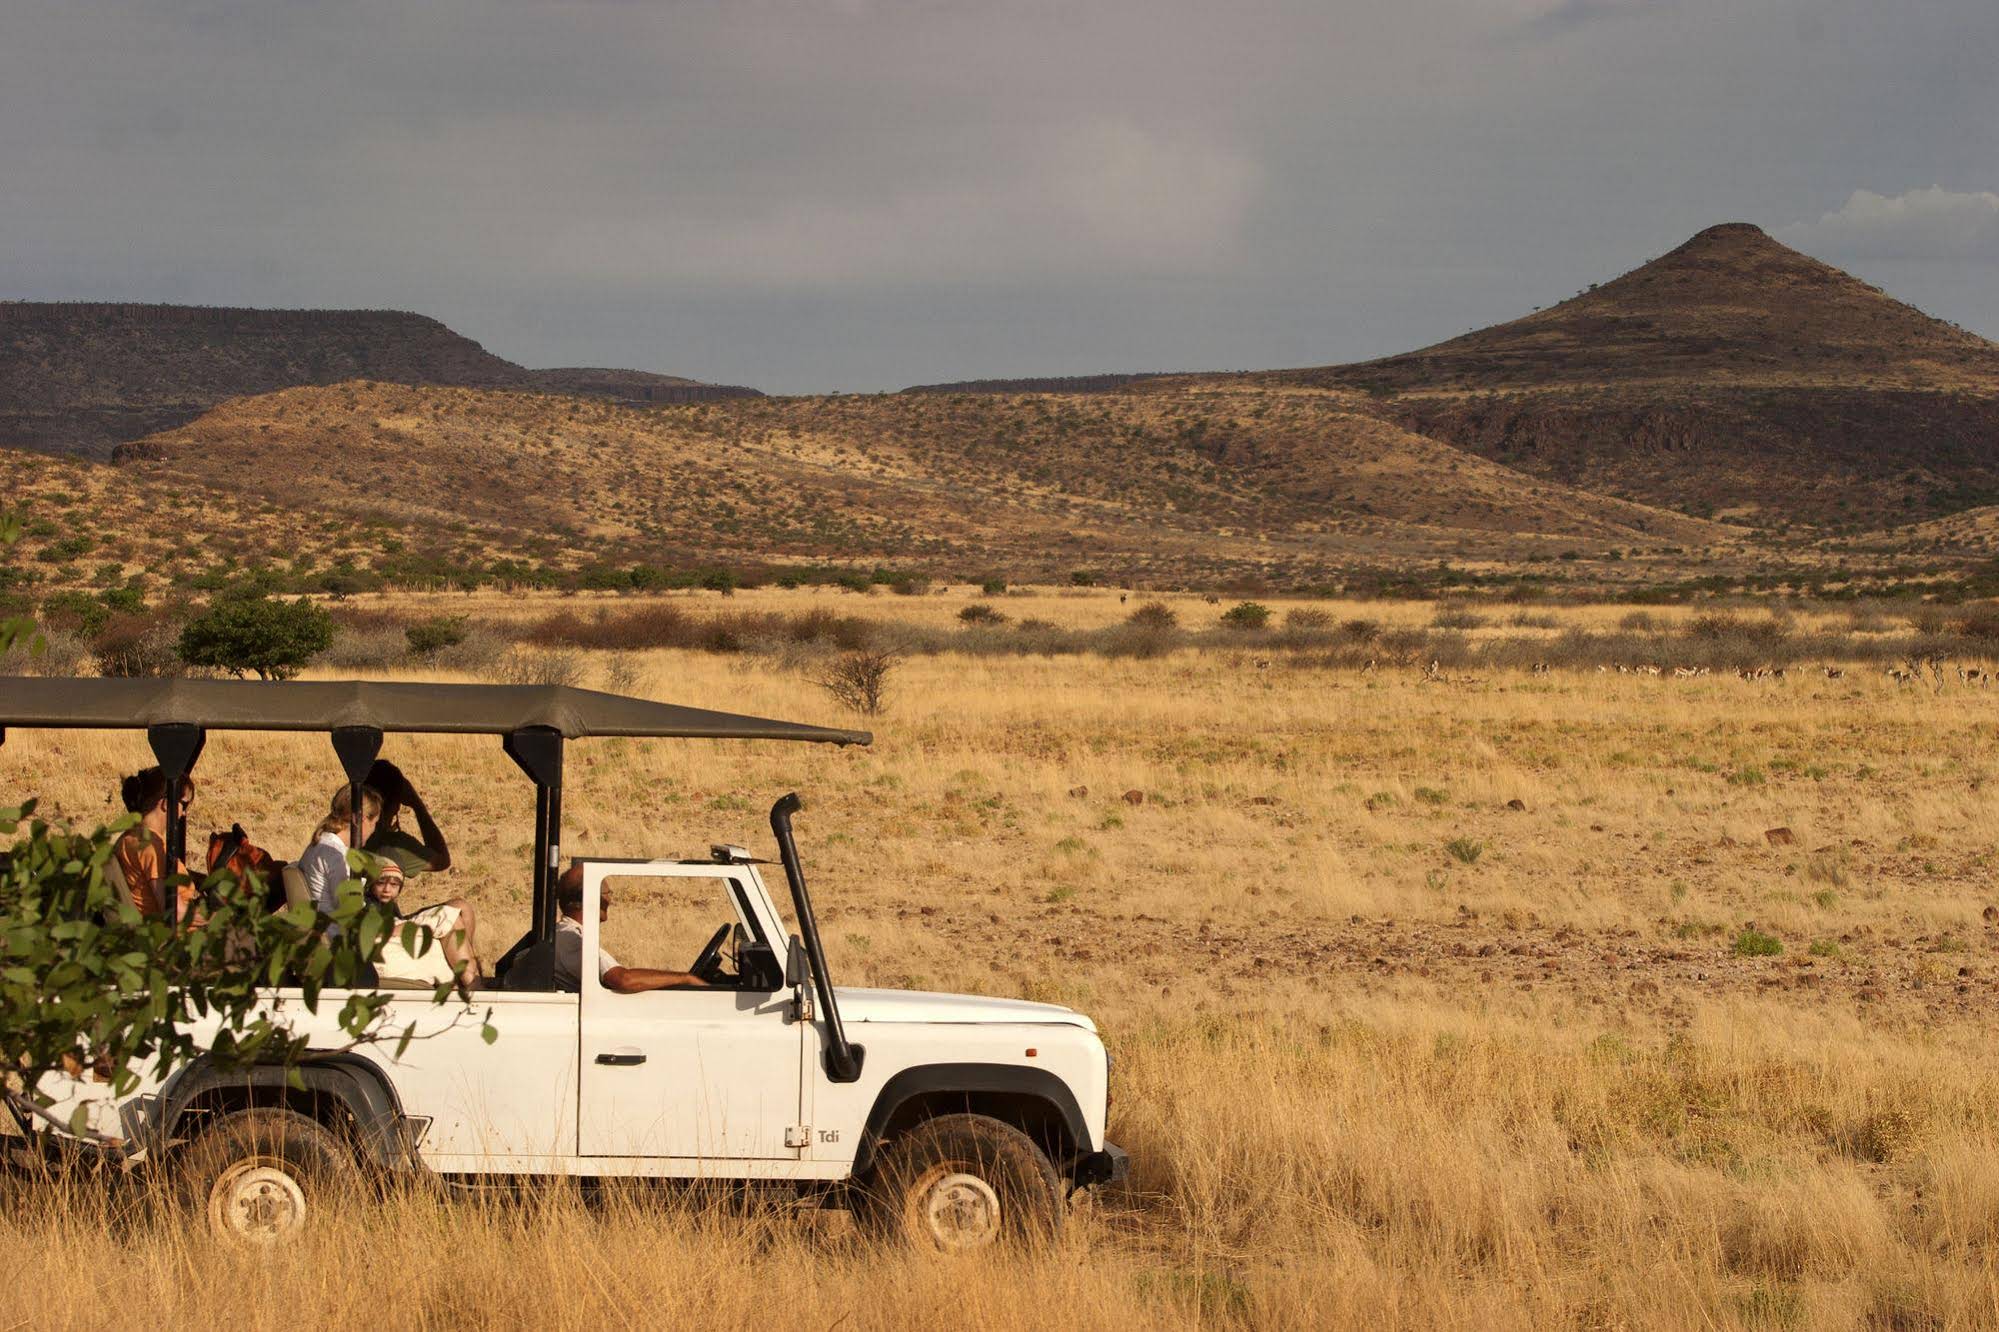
<point x="381" y="1133"/>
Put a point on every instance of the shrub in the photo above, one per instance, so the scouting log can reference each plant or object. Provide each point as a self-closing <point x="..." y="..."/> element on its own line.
<point x="78" y="613"/>
<point x="539" y="666"/>
<point x="57" y="653"/>
<point x="993" y="587"/>
<point x="1755" y="943"/>
<point x="859" y="679"/>
<point x="1246" y="615"/>
<point x="1308" y="618"/>
<point x="1131" y="639"/>
<point x="1637" y="622"/>
<point x="366" y="649"/>
<point x="1083" y="578"/>
<point x="1465" y="850"/>
<point x="136" y="646"/>
<point x="427" y="638"/>
<point x="623" y="674"/>
<point x="913" y="586"/>
<point x="477" y="653"/>
<point x="1153" y="615"/>
<point x="1360" y="631"/>
<point x="980" y="613"/>
<point x="241" y="635"/>
<point x="1457" y="617"/>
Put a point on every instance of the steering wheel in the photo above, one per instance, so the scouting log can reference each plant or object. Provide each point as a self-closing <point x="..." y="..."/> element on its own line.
<point x="708" y="965"/>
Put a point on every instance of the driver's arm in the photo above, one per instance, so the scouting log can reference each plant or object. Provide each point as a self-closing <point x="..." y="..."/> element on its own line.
<point x="637" y="980"/>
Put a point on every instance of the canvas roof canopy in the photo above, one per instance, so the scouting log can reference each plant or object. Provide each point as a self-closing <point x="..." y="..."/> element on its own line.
<point x="328" y="705"/>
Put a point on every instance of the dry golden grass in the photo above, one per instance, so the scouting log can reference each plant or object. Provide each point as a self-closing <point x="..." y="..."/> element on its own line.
<point x="1366" y="1080"/>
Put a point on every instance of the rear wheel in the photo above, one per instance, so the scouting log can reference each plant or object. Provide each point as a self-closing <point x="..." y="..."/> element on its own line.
<point x="257" y="1176"/>
<point x="962" y="1182"/>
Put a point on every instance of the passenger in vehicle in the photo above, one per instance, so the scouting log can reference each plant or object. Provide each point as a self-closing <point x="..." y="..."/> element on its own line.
<point x="425" y="852"/>
<point x="142" y="852"/>
<point x="453" y="956"/>
<point x="569" y="946"/>
<point x="324" y="861"/>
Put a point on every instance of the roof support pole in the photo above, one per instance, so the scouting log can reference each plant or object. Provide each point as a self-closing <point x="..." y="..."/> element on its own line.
<point x="176" y="745"/>
<point x="357" y="747"/>
<point x="537" y="751"/>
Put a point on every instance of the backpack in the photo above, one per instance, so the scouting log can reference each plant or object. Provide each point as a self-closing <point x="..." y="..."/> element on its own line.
<point x="252" y="864"/>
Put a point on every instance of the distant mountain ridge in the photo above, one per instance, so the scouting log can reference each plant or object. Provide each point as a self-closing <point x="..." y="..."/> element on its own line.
<point x="80" y="378"/>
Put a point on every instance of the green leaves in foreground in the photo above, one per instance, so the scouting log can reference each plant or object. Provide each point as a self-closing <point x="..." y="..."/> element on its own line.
<point x="88" y="983"/>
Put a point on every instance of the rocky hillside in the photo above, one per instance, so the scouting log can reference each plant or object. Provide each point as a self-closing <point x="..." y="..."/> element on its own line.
<point x="1185" y="483"/>
<point x="81" y="378"/>
<point x="1733" y="376"/>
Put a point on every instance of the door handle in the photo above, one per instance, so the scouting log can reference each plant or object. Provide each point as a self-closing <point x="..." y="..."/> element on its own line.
<point x="625" y="1058"/>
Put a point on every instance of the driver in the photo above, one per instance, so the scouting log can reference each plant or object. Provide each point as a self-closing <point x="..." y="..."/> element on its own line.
<point x="569" y="946"/>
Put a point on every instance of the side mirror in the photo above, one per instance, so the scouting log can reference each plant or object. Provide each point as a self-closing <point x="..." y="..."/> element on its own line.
<point x="794" y="963"/>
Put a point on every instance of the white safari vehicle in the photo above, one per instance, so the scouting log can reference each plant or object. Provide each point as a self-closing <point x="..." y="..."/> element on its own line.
<point x="951" y="1120"/>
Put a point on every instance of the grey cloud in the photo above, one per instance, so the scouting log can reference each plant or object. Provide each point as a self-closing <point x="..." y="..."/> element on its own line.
<point x="1932" y="223"/>
<point x="863" y="193"/>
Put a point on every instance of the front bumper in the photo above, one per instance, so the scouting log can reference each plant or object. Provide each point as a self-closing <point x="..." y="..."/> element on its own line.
<point x="1109" y="1166"/>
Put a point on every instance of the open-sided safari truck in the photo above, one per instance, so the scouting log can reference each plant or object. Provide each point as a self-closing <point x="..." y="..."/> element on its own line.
<point x="955" y="1120"/>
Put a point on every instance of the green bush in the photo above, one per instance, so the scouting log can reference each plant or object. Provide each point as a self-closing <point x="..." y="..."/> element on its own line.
<point x="1755" y="943"/>
<point x="980" y="613"/>
<point x="77" y="612"/>
<point x="1465" y="850"/>
<point x="241" y="635"/>
<point x="429" y="637"/>
<point x="1246" y="615"/>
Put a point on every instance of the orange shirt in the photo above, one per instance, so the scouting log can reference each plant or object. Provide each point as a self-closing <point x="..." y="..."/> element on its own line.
<point x="142" y="857"/>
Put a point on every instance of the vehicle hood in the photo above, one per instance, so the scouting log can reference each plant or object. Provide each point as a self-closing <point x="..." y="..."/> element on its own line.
<point x="925" y="1006"/>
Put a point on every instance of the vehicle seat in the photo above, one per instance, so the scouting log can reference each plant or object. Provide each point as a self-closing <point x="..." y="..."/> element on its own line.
<point x="114" y="874"/>
<point x="296" y="892"/>
<point x="532" y="968"/>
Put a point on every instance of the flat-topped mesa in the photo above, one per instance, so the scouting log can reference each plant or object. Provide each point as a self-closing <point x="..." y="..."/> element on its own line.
<point x="83" y="377"/>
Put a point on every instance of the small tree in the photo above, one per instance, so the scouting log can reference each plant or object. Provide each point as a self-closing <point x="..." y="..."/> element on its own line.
<point x="859" y="679"/>
<point x="257" y="634"/>
<point x="1153" y="615"/>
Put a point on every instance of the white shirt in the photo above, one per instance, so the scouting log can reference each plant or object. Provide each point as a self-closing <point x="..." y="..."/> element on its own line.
<point x="324" y="866"/>
<point x="569" y="955"/>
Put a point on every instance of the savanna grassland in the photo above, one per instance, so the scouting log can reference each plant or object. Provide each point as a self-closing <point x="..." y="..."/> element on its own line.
<point x="1477" y="998"/>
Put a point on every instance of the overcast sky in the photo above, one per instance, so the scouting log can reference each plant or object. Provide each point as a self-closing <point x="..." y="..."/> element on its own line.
<point x="863" y="194"/>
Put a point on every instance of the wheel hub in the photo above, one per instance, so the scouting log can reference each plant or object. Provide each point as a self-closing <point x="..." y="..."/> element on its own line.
<point x="257" y="1202"/>
<point x="959" y="1211"/>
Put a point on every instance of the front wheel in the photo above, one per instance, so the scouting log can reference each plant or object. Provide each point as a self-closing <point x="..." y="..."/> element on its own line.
<point x="962" y="1182"/>
<point x="256" y="1176"/>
